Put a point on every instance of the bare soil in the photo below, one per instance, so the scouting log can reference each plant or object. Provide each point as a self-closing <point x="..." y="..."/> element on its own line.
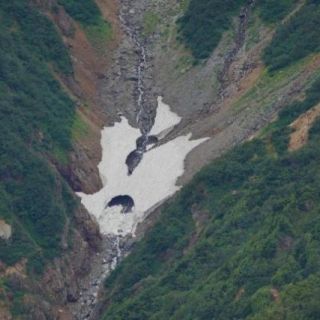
<point x="301" y="126"/>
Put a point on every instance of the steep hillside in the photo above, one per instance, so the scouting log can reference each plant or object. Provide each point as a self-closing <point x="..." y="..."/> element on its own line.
<point x="203" y="24"/>
<point x="247" y="74"/>
<point x="241" y="240"/>
<point x="46" y="237"/>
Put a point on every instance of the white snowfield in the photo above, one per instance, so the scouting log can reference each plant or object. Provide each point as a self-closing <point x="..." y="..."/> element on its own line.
<point x="152" y="181"/>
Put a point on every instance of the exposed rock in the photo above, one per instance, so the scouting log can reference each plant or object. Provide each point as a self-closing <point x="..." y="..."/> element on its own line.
<point x="73" y="292"/>
<point x="89" y="228"/>
<point x="5" y="230"/>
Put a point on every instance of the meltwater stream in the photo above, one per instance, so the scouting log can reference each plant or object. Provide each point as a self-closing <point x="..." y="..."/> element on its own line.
<point x="143" y="118"/>
<point x="142" y="65"/>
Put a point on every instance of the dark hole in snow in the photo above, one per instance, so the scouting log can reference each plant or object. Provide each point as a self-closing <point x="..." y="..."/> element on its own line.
<point x="125" y="201"/>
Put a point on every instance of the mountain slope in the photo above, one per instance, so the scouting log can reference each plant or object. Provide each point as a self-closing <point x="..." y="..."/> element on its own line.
<point x="241" y="240"/>
<point x="46" y="238"/>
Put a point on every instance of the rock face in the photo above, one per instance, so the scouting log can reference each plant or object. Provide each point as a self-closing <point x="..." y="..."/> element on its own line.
<point x="129" y="87"/>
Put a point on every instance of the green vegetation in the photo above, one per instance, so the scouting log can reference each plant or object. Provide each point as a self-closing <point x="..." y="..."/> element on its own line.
<point x="150" y="22"/>
<point x="296" y="39"/>
<point x="17" y="306"/>
<point x="254" y="251"/>
<point x="88" y="14"/>
<point x="36" y="121"/>
<point x="204" y="22"/>
<point x="84" y="11"/>
<point x="99" y="34"/>
<point x="79" y="128"/>
<point x="280" y="128"/>
<point x="274" y="10"/>
<point x="184" y="4"/>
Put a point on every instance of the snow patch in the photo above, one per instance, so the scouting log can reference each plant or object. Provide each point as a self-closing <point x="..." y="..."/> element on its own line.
<point x="153" y="181"/>
<point x="165" y="119"/>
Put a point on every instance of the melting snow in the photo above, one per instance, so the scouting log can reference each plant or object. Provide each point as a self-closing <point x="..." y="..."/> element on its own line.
<point x="165" y="120"/>
<point x="153" y="181"/>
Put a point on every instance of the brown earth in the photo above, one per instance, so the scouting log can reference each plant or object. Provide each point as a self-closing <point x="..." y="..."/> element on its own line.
<point x="109" y="9"/>
<point x="90" y="65"/>
<point x="301" y="126"/>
